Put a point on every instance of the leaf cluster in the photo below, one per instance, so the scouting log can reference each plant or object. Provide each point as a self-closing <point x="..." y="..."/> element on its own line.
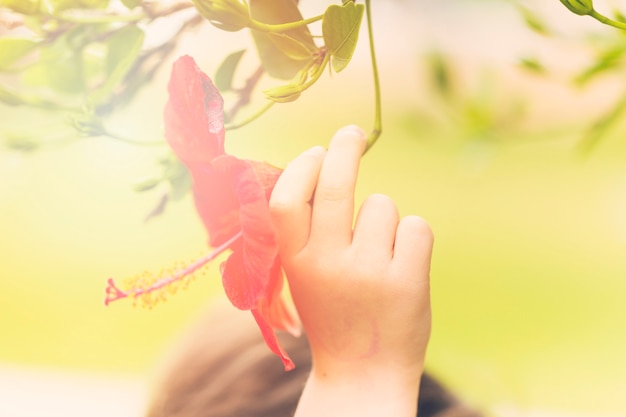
<point x="83" y="59"/>
<point x="609" y="59"/>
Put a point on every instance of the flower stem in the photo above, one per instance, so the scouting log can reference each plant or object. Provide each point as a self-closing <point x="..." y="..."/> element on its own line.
<point x="132" y="141"/>
<point x="601" y="18"/>
<point x="259" y="113"/>
<point x="283" y="27"/>
<point x="317" y="73"/>
<point x="376" y="131"/>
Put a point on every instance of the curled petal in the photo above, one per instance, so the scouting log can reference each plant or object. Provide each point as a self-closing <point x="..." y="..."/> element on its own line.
<point x="242" y="291"/>
<point x="272" y="341"/>
<point x="274" y="308"/>
<point x="194" y="114"/>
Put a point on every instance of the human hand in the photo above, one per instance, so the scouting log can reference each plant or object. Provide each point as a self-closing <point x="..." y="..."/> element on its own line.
<point x="362" y="294"/>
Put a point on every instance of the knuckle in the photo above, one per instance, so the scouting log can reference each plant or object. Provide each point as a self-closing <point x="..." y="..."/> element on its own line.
<point x="332" y="192"/>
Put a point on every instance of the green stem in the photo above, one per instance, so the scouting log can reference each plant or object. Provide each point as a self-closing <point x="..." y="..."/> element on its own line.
<point x="123" y="139"/>
<point x="378" y="128"/>
<point x="122" y="18"/>
<point x="318" y="72"/>
<point x="102" y="18"/>
<point x="233" y="126"/>
<point x="602" y="127"/>
<point x="601" y="18"/>
<point x="283" y="27"/>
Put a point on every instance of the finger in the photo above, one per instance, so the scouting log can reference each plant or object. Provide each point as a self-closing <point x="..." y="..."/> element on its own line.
<point x="334" y="197"/>
<point x="375" y="229"/>
<point x="413" y="247"/>
<point x="289" y="203"/>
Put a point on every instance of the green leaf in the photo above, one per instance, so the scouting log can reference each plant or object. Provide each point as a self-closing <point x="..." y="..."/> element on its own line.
<point x="292" y="48"/>
<point x="179" y="180"/>
<point x="123" y="48"/>
<point x="63" y="68"/>
<point x="27" y="7"/>
<point x="63" y="62"/>
<point x="441" y="74"/>
<point x="532" y="65"/>
<point x="13" y="49"/>
<point x="282" y="56"/>
<point x="340" y="28"/>
<point x="131" y="4"/>
<point x="608" y="60"/>
<point x="146" y="184"/>
<point x="226" y="71"/>
<point x="601" y="127"/>
<point x="21" y="142"/>
<point x="533" y="21"/>
<point x="60" y="5"/>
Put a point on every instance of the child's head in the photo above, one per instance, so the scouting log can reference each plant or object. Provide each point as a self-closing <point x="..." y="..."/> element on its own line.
<point x="222" y="368"/>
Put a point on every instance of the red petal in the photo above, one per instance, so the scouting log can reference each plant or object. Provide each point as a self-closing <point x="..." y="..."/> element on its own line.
<point x="242" y="291"/>
<point x="273" y="307"/>
<point x="271" y="341"/>
<point x="194" y="114"/>
<point x="194" y="128"/>
<point x="216" y="203"/>
<point x="259" y="250"/>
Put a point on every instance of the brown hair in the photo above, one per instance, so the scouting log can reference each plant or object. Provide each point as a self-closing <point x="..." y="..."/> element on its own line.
<point x="221" y="367"/>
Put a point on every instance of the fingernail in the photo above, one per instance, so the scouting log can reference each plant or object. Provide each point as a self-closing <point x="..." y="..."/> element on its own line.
<point x="352" y="130"/>
<point x="317" y="150"/>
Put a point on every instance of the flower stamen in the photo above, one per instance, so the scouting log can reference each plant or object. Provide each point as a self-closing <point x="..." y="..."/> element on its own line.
<point x="146" y="287"/>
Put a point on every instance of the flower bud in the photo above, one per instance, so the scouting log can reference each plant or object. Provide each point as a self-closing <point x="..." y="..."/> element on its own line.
<point x="580" y="7"/>
<point x="284" y="93"/>
<point x="229" y="15"/>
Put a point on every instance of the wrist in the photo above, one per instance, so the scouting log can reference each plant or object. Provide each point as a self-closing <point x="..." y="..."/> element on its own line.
<point x="361" y="389"/>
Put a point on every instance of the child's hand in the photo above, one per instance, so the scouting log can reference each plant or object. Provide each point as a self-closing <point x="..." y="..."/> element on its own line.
<point x="362" y="294"/>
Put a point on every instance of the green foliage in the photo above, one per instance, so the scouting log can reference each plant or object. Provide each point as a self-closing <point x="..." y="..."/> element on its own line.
<point x="27" y="7"/>
<point x="131" y="4"/>
<point x="122" y="50"/>
<point x="229" y="15"/>
<point x="534" y="21"/>
<point x="282" y="54"/>
<point x="340" y="28"/>
<point x="86" y="58"/>
<point x="606" y="61"/>
<point x="601" y="127"/>
<point x="440" y="74"/>
<point x="533" y="65"/>
<point x="580" y="7"/>
<point x="13" y="49"/>
<point x="226" y="71"/>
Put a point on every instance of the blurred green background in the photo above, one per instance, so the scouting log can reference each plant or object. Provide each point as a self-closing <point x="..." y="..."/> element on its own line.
<point x="529" y="269"/>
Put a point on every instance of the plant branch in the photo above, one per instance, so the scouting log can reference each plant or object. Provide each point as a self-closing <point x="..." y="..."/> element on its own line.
<point x="601" y="18"/>
<point x="245" y="93"/>
<point x="283" y="27"/>
<point x="377" y="130"/>
<point x="250" y="119"/>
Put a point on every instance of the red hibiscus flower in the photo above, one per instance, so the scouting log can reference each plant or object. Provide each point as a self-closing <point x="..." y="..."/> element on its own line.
<point x="231" y="197"/>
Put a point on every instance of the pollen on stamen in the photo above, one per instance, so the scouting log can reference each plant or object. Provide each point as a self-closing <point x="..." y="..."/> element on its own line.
<point x="147" y="289"/>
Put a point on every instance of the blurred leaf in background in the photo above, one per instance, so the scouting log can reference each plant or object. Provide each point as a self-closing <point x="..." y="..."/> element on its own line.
<point x="528" y="270"/>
